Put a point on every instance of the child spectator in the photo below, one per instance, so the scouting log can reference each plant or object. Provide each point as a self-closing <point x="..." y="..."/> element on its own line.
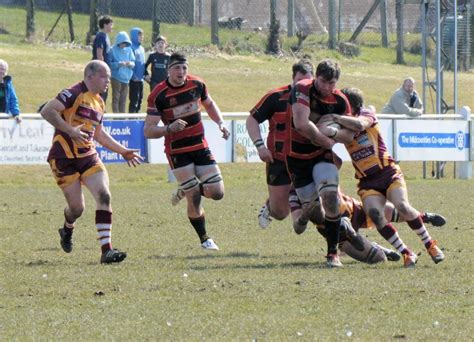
<point x="8" y="98"/>
<point x="159" y="61"/>
<point x="123" y="62"/>
<point x="136" y="83"/>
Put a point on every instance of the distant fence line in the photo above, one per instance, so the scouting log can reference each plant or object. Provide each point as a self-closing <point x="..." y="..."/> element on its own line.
<point x="333" y="21"/>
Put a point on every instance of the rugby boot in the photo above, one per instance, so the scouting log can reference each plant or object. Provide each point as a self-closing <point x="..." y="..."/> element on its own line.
<point x="66" y="240"/>
<point x="435" y="252"/>
<point x="264" y="218"/>
<point x="409" y="260"/>
<point x="434" y="219"/>
<point x="112" y="256"/>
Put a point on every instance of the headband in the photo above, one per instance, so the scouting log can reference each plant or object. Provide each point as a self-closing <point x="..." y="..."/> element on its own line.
<point x="178" y="61"/>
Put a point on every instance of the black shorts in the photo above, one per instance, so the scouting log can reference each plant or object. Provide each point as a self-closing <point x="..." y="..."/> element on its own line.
<point x="200" y="157"/>
<point x="301" y="170"/>
<point x="277" y="173"/>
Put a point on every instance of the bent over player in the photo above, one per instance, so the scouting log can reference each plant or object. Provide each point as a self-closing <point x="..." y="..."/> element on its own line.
<point x="381" y="179"/>
<point x="177" y="102"/>
<point x="77" y="114"/>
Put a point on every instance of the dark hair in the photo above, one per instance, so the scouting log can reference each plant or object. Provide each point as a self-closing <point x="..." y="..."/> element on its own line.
<point x="160" y="38"/>
<point x="328" y="69"/>
<point x="105" y="20"/>
<point x="303" y="66"/>
<point x="355" y="97"/>
<point x="177" y="58"/>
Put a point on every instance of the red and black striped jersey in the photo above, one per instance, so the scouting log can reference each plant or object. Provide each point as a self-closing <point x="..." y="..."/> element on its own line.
<point x="274" y="108"/>
<point x="82" y="107"/>
<point x="305" y="93"/>
<point x="185" y="103"/>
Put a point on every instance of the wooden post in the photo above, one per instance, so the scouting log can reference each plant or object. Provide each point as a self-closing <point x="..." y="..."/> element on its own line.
<point x="214" y="22"/>
<point x="400" y="32"/>
<point x="291" y="18"/>
<point x="93" y="25"/>
<point x="69" y="20"/>
<point x="332" y="20"/>
<point x="155" y="22"/>
<point x="30" y="19"/>
<point x="383" y="22"/>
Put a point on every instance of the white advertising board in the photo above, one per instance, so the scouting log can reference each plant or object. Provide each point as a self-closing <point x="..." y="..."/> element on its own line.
<point x="25" y="143"/>
<point x="436" y="140"/>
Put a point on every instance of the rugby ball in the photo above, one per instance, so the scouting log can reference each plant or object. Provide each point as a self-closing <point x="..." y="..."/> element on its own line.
<point x="332" y="124"/>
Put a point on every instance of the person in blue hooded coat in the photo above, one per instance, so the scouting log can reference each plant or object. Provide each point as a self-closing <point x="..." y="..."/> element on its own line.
<point x="8" y="98"/>
<point x="122" y="64"/>
<point x="136" y="83"/>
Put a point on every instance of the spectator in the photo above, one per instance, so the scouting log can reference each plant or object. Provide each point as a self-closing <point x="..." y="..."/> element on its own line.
<point x="159" y="61"/>
<point x="101" y="48"/>
<point x="123" y="62"/>
<point x="8" y="98"/>
<point x="405" y="100"/>
<point x="136" y="83"/>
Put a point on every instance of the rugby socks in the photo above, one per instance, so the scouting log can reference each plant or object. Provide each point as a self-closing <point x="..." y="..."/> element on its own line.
<point x="395" y="216"/>
<point x="389" y="233"/>
<point x="420" y="230"/>
<point x="103" y="223"/>
<point x="293" y="201"/>
<point x="332" y="233"/>
<point x="68" y="226"/>
<point x="199" y="225"/>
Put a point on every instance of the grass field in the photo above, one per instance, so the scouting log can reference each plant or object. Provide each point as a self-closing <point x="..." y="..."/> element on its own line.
<point x="263" y="284"/>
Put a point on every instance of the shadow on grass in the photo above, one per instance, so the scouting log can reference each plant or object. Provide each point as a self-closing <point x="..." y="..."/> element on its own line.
<point x="206" y="256"/>
<point x="270" y="265"/>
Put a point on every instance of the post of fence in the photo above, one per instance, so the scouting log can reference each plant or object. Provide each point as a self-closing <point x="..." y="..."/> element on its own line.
<point x="464" y="168"/>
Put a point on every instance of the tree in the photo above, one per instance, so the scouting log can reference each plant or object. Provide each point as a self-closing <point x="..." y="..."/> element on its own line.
<point x="214" y="22"/>
<point x="93" y="24"/>
<point x="274" y="34"/>
<point x="30" y="19"/>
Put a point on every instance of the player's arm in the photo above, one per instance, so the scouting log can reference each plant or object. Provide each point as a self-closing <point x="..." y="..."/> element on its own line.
<point x="354" y="123"/>
<point x="51" y="112"/>
<point x="151" y="129"/>
<point x="132" y="156"/>
<point x="307" y="128"/>
<point x="253" y="129"/>
<point x="215" y="114"/>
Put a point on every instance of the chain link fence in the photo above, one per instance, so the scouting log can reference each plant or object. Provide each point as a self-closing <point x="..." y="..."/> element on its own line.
<point x="351" y="20"/>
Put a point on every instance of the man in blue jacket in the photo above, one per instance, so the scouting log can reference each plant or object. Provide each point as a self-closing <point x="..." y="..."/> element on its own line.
<point x="135" y="94"/>
<point x="8" y="98"/>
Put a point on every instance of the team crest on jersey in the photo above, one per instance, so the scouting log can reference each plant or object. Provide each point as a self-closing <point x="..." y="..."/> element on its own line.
<point x="173" y="101"/>
<point x="363" y="140"/>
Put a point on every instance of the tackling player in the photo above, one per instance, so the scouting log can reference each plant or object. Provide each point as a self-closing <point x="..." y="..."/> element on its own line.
<point x="381" y="179"/>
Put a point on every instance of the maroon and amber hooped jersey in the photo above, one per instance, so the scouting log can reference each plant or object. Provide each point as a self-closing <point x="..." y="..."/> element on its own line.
<point x="185" y="103"/>
<point x="305" y="93"/>
<point x="368" y="151"/>
<point x="274" y="108"/>
<point x="82" y="107"/>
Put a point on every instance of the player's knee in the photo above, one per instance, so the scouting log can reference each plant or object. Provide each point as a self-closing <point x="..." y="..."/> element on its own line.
<point x="74" y="212"/>
<point x="404" y="208"/>
<point x="105" y="198"/>
<point x="330" y="202"/>
<point x="376" y="216"/>
<point x="279" y="213"/>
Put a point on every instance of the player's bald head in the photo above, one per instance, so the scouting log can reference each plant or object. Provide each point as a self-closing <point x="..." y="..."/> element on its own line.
<point x="94" y="67"/>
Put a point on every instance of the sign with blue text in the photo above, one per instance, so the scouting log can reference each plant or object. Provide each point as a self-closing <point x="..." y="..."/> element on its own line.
<point x="127" y="132"/>
<point x="434" y="140"/>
